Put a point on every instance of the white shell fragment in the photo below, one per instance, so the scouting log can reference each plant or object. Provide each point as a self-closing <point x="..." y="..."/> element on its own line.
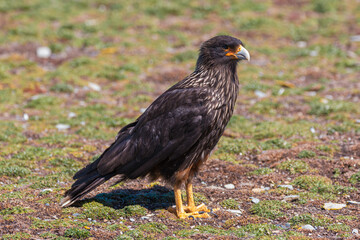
<point x="43" y="52"/>
<point x="334" y="206"/>
<point x="61" y="126"/>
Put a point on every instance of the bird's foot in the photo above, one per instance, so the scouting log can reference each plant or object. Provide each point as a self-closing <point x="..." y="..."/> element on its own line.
<point x="193" y="212"/>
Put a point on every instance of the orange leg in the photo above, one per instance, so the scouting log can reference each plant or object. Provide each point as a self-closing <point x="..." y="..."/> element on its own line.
<point x="190" y="211"/>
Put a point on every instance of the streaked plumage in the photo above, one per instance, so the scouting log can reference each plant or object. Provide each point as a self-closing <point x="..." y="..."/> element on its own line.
<point x="177" y="132"/>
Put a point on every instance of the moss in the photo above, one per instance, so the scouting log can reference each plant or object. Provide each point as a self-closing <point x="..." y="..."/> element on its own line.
<point x="14" y="171"/>
<point x="62" y="87"/>
<point x="77" y="233"/>
<point x="261" y="171"/>
<point x="15" y="236"/>
<point x="355" y="178"/>
<point x="98" y="211"/>
<point x="153" y="227"/>
<point x="306" y="154"/>
<point x="230" y="204"/>
<point x="339" y="227"/>
<point x="43" y="102"/>
<point x="307" y="218"/>
<point x="313" y="183"/>
<point x="16" y="210"/>
<point x="134" y="210"/>
<point x="270" y="209"/>
<point x="294" y="166"/>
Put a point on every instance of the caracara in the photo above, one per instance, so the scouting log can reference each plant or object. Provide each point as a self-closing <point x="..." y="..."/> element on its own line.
<point x="177" y="132"/>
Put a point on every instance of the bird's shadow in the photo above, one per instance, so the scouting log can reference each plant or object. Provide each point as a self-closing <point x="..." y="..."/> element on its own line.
<point x="157" y="197"/>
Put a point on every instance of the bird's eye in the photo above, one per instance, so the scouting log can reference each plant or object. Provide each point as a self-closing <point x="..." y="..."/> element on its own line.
<point x="225" y="46"/>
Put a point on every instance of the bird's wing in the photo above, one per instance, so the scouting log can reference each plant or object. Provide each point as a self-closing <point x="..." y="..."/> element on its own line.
<point x="171" y="126"/>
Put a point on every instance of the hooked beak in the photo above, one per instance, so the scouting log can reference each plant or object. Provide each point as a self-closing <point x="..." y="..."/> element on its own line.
<point x="243" y="54"/>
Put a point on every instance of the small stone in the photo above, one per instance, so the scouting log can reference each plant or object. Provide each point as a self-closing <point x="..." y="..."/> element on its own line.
<point x="47" y="204"/>
<point x="260" y="94"/>
<point x="43" y="52"/>
<point x="286" y="186"/>
<point x="312" y="129"/>
<point x="76" y="214"/>
<point x="258" y="190"/>
<point x="94" y="86"/>
<point x="229" y="186"/>
<point x="281" y="91"/>
<point x="333" y="206"/>
<point x="284" y="226"/>
<point x="145" y="218"/>
<point x="301" y="44"/>
<point x="89" y="219"/>
<point x="71" y="115"/>
<point x="237" y="212"/>
<point x="291" y="197"/>
<point x="314" y="53"/>
<point x="26" y="116"/>
<point x="308" y="227"/>
<point x="355" y="231"/>
<point x="355" y="38"/>
<point x="255" y="200"/>
<point x="47" y="190"/>
<point x="61" y="126"/>
<point x="132" y="220"/>
<point x="353" y="202"/>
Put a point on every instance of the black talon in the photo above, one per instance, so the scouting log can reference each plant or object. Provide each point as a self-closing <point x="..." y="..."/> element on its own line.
<point x="192" y="217"/>
<point x="201" y="212"/>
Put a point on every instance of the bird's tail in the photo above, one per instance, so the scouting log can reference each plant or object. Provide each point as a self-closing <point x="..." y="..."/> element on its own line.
<point x="88" y="179"/>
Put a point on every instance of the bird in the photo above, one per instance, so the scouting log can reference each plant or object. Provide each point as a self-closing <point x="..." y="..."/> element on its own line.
<point x="176" y="134"/>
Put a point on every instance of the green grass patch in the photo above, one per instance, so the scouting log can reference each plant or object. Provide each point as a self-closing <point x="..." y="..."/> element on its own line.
<point x="306" y="154"/>
<point x="77" y="233"/>
<point x="261" y="171"/>
<point x="355" y="178"/>
<point x="272" y="209"/>
<point x="230" y="204"/>
<point x="294" y="166"/>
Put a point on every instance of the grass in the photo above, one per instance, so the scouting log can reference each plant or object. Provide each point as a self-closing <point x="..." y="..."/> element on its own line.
<point x="295" y="122"/>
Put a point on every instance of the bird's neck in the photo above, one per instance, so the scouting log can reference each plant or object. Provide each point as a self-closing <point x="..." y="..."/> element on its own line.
<point x="218" y="77"/>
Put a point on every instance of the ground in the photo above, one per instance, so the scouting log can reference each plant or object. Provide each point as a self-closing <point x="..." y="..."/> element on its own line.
<point x="296" y="123"/>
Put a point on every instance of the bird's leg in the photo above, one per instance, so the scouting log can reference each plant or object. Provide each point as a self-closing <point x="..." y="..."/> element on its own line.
<point x="196" y="211"/>
<point x="189" y="211"/>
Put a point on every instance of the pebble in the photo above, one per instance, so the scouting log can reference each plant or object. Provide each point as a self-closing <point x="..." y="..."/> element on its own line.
<point x="61" y="126"/>
<point x="71" y="115"/>
<point x="308" y="227"/>
<point x="334" y="206"/>
<point x="94" y="86"/>
<point x="43" y="52"/>
<point x="355" y="38"/>
<point x="237" y="212"/>
<point x="353" y="202"/>
<point x="355" y="231"/>
<point x="229" y="186"/>
<point x="89" y="219"/>
<point x="301" y="44"/>
<point x="132" y="220"/>
<point x="260" y="94"/>
<point x="47" y="190"/>
<point x="312" y="129"/>
<point x="255" y="200"/>
<point x="284" y="226"/>
<point x="76" y="214"/>
<point x="287" y="186"/>
<point x="47" y="204"/>
<point x="258" y="190"/>
<point x="26" y="116"/>
<point x="291" y="197"/>
<point x="145" y="218"/>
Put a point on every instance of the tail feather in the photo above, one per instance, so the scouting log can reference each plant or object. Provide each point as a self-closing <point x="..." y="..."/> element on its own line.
<point x="88" y="179"/>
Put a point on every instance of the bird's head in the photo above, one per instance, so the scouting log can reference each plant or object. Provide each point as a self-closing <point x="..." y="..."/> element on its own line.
<point x="222" y="50"/>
